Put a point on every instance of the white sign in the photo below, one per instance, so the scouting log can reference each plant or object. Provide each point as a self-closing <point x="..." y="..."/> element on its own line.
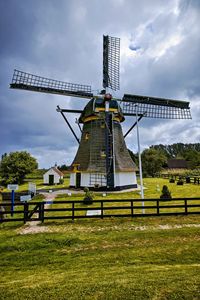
<point x="96" y="212"/>
<point x="25" y="198"/>
<point x="12" y="187"/>
<point x="32" y="187"/>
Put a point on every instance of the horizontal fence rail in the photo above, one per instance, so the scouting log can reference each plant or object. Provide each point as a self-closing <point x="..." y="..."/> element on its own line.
<point x="186" y="179"/>
<point x="71" y="210"/>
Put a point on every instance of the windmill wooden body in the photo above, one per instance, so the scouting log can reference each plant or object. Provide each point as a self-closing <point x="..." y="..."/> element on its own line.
<point x="102" y="160"/>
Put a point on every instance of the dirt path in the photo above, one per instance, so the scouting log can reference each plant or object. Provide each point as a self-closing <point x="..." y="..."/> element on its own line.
<point x="32" y="226"/>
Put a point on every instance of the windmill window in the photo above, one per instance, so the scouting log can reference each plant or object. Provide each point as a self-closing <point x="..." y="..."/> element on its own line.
<point x="87" y="136"/>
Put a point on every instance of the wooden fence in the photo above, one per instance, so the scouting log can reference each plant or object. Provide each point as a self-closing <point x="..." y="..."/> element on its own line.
<point x="47" y="210"/>
<point x="186" y="179"/>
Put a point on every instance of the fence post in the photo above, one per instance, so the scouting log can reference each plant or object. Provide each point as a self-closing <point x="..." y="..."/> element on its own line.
<point x="158" y="206"/>
<point x="41" y="212"/>
<point x="26" y="205"/>
<point x="132" y="208"/>
<point x="101" y="209"/>
<point x="73" y="211"/>
<point x="186" y="208"/>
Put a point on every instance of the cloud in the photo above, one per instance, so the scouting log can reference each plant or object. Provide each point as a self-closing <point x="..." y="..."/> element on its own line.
<point x="62" y="40"/>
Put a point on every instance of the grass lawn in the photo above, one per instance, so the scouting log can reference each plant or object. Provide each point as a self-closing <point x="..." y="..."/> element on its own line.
<point x="40" y="185"/>
<point x="113" y="259"/>
<point x="153" y="189"/>
<point x="139" y="258"/>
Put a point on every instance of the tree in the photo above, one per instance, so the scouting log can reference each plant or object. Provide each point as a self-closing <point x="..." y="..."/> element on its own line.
<point x="152" y="161"/>
<point x="16" y="165"/>
<point x="193" y="158"/>
<point x="189" y="152"/>
<point x="63" y="168"/>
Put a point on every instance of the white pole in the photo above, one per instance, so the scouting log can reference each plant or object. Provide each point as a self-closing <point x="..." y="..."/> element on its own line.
<point x="140" y="162"/>
<point x="113" y="140"/>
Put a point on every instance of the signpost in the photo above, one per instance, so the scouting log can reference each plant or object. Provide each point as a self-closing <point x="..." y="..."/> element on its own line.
<point x="13" y="188"/>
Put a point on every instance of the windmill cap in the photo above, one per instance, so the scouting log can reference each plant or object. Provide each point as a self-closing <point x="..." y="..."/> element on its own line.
<point x="97" y="105"/>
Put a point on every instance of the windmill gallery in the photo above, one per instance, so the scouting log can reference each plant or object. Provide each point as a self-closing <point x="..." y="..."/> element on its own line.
<point x="102" y="161"/>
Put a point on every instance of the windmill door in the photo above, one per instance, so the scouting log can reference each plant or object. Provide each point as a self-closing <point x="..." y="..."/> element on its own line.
<point x="51" y="179"/>
<point x="78" y="180"/>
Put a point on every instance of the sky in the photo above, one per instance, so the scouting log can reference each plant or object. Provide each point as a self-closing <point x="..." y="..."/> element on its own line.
<point x="160" y="56"/>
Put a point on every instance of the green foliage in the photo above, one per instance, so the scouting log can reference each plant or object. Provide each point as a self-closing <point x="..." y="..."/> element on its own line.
<point x="178" y="149"/>
<point x="172" y="180"/>
<point x="63" y="168"/>
<point x="16" y="165"/>
<point x="165" y="193"/>
<point x="152" y="161"/>
<point x="61" y="181"/>
<point x="193" y="158"/>
<point x="88" y="198"/>
<point x="180" y="181"/>
<point x="189" y="152"/>
<point x="36" y="174"/>
<point x="187" y="179"/>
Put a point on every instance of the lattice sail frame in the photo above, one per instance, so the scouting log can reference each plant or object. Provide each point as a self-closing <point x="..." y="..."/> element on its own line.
<point x="152" y="107"/>
<point x="111" y="62"/>
<point x="27" y="81"/>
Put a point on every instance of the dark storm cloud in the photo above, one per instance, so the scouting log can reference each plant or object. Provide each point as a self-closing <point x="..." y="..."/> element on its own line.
<point x="17" y="28"/>
<point x="63" y="40"/>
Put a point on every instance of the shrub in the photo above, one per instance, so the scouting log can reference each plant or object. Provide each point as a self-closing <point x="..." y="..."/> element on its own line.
<point x="61" y="181"/>
<point x="172" y="180"/>
<point x="187" y="178"/>
<point x="88" y="198"/>
<point x="180" y="181"/>
<point x="166" y="194"/>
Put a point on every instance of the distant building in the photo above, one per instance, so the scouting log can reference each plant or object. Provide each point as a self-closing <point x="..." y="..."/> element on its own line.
<point x="52" y="176"/>
<point x="177" y="163"/>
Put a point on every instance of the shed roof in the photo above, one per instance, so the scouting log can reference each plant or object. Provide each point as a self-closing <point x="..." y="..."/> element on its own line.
<point x="55" y="169"/>
<point x="175" y="163"/>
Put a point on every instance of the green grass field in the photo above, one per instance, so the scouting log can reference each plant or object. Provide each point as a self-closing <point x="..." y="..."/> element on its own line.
<point x="139" y="258"/>
<point x="40" y="185"/>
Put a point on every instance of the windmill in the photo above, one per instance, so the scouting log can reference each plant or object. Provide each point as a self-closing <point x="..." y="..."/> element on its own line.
<point x="102" y="160"/>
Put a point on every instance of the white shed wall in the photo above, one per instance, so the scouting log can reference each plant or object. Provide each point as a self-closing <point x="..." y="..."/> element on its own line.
<point x="51" y="172"/>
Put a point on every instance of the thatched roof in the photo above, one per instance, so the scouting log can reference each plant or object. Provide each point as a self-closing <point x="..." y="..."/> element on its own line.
<point x="90" y="156"/>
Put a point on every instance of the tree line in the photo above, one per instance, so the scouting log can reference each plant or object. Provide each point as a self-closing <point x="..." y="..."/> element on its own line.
<point x="16" y="165"/>
<point x="155" y="158"/>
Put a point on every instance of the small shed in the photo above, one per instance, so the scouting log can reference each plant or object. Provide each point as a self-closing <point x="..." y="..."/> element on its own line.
<point x="52" y="176"/>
